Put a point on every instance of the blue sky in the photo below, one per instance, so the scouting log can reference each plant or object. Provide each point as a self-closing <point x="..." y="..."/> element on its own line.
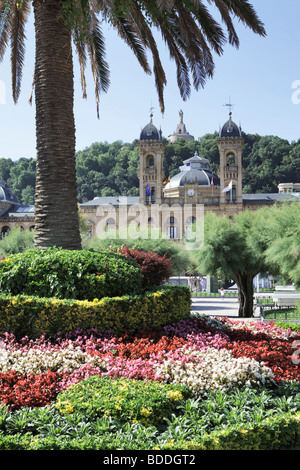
<point x="258" y="78"/>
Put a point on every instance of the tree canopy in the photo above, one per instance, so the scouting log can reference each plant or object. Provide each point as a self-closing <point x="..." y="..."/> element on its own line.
<point x="110" y="169"/>
<point x="251" y="243"/>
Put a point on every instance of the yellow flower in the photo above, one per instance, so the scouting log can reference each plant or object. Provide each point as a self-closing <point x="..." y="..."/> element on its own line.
<point x="174" y="395"/>
<point x="118" y="407"/>
<point x="145" y="412"/>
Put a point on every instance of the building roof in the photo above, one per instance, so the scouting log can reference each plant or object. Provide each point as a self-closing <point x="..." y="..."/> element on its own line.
<point x="230" y="129"/>
<point x="113" y="200"/>
<point x="150" y="132"/>
<point x="270" y="198"/>
<point x="6" y="194"/>
<point x="200" y="176"/>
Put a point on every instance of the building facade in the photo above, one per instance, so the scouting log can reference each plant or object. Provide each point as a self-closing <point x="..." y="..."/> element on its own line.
<point x="173" y="207"/>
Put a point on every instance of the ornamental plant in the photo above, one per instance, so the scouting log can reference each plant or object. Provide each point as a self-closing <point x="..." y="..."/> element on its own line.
<point x="128" y="400"/>
<point x="154" y="267"/>
<point x="70" y="274"/>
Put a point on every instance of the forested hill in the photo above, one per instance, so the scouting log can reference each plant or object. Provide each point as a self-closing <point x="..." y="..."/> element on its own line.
<point x="105" y="169"/>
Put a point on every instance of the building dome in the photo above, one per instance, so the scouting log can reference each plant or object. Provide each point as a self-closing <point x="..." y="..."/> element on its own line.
<point x="6" y="195"/>
<point x="150" y="132"/>
<point x="230" y="129"/>
<point x="195" y="170"/>
<point x="200" y="177"/>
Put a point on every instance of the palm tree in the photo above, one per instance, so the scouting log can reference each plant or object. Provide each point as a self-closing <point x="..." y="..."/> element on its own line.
<point x="190" y="32"/>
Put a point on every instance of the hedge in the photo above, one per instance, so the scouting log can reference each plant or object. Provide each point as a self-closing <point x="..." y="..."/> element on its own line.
<point x="34" y="316"/>
<point x="67" y="274"/>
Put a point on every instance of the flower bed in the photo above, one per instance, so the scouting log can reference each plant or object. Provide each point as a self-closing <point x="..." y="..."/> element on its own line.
<point x="202" y="376"/>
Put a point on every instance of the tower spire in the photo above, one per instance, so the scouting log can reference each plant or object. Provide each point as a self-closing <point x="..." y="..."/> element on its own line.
<point x="229" y="105"/>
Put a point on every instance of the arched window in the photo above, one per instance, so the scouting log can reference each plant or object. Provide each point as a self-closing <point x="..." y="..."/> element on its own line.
<point x="233" y="193"/>
<point x="110" y="223"/>
<point x="230" y="159"/>
<point x="4" y="231"/>
<point x="150" y="160"/>
<point x="152" y="195"/>
<point x="191" y="220"/>
<point x="172" y="227"/>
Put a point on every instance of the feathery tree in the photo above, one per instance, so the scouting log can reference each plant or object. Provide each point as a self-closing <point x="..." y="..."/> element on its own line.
<point x="235" y="249"/>
<point x="190" y="32"/>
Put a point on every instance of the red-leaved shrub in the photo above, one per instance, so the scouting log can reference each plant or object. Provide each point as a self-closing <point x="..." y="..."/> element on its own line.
<point x="154" y="267"/>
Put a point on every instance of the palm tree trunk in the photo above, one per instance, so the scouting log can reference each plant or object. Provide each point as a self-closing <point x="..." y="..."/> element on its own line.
<point x="56" y="209"/>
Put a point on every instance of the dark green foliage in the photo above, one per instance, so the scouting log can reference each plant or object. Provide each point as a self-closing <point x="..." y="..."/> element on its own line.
<point x="83" y="275"/>
<point x="105" y="169"/>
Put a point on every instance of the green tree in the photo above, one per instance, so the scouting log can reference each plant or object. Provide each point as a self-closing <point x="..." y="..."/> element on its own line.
<point x="229" y="251"/>
<point x="190" y="32"/>
<point x="279" y="228"/>
<point x="261" y="161"/>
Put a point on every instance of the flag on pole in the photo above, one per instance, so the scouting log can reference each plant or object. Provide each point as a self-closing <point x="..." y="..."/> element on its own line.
<point x="148" y="191"/>
<point x="228" y="187"/>
<point x="166" y="181"/>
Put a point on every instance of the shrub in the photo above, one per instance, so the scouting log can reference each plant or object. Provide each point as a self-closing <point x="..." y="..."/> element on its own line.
<point x="274" y="433"/>
<point x="35" y="316"/>
<point x="128" y="400"/>
<point x="154" y="267"/>
<point x="17" y="241"/>
<point x="70" y="274"/>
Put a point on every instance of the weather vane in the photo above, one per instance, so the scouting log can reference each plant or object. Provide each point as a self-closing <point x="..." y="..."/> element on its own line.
<point x="229" y="105"/>
<point x="151" y="111"/>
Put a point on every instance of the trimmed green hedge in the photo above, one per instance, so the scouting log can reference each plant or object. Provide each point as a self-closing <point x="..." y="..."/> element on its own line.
<point x="70" y="274"/>
<point x="33" y="316"/>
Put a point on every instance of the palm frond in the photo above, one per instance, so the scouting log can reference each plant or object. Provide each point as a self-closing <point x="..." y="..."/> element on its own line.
<point x="210" y="28"/>
<point x="128" y="32"/>
<point x="5" y="9"/>
<point x="96" y="48"/>
<point x="183" y="80"/>
<point x="89" y="40"/>
<point x="245" y="12"/>
<point x="232" y="35"/>
<point x="81" y="53"/>
<point x="150" y="43"/>
<point x="197" y="52"/>
<point x="18" y="18"/>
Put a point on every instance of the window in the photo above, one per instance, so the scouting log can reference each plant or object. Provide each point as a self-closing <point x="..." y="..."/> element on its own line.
<point x="152" y="195"/>
<point x="172" y="232"/>
<point x="233" y="193"/>
<point x="230" y="159"/>
<point x="150" y="160"/>
<point x="191" y="220"/>
<point x="4" y="231"/>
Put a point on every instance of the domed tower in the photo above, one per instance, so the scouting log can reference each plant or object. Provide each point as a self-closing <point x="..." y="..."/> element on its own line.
<point x="230" y="144"/>
<point x="151" y="173"/>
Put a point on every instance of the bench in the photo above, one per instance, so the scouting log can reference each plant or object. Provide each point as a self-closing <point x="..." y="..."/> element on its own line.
<point x="286" y="301"/>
